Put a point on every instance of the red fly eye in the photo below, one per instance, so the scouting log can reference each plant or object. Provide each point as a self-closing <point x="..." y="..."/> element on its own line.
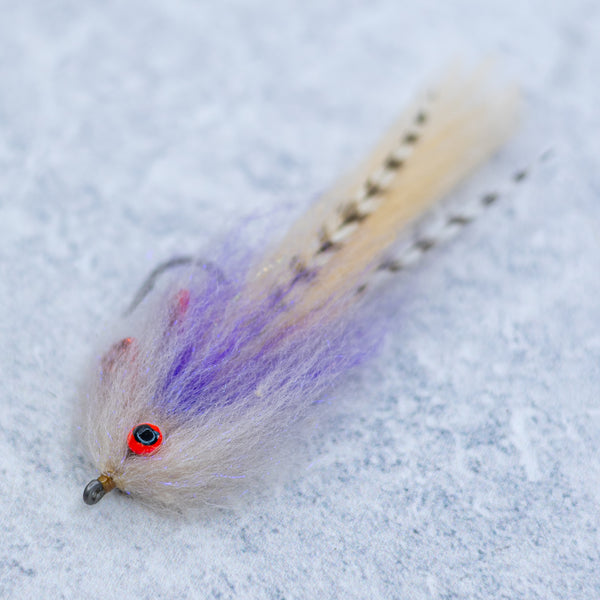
<point x="180" y="306"/>
<point x="116" y="352"/>
<point x="144" y="438"/>
<point x="183" y="300"/>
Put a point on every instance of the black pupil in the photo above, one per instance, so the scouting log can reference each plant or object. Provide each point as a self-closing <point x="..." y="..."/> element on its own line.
<point x="144" y="434"/>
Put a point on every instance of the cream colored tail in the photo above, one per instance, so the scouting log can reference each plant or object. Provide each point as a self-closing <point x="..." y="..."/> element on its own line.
<point x="432" y="147"/>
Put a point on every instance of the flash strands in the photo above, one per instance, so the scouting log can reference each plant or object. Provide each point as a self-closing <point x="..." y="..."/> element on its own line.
<point x="214" y="367"/>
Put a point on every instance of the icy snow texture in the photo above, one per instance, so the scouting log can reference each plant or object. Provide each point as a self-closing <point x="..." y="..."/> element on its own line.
<point x="464" y="460"/>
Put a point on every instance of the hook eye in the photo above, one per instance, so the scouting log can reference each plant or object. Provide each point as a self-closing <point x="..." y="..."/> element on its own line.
<point x="96" y="489"/>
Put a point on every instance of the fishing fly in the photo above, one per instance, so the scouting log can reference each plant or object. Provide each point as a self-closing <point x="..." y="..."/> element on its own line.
<point x="216" y="361"/>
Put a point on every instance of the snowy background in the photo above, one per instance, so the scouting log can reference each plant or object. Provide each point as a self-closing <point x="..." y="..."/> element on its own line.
<point x="464" y="461"/>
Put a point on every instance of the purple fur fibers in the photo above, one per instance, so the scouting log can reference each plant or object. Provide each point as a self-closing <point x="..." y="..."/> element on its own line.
<point x="225" y="348"/>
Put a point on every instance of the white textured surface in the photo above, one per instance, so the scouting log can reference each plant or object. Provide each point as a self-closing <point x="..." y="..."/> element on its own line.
<point x="466" y="461"/>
